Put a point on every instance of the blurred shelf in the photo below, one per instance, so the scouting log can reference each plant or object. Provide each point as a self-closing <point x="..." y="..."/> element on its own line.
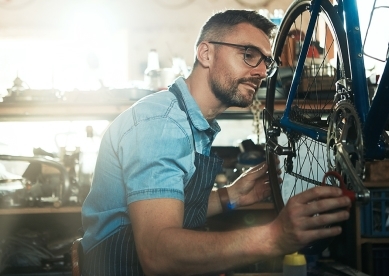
<point x="77" y="209"/>
<point x="27" y="111"/>
<point x="374" y="240"/>
<point x="97" y="107"/>
<point x="376" y="184"/>
<point x="258" y="274"/>
<point x="93" y="110"/>
<point x="40" y="210"/>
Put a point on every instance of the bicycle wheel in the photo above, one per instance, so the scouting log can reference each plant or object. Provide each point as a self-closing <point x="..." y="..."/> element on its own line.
<point x="305" y="162"/>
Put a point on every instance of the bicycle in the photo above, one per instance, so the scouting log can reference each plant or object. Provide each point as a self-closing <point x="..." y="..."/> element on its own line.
<point x="328" y="122"/>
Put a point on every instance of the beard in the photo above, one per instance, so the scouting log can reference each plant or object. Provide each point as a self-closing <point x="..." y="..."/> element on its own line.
<point x="230" y="95"/>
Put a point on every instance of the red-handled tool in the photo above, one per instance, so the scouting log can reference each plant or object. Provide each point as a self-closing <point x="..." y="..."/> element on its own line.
<point x="342" y="186"/>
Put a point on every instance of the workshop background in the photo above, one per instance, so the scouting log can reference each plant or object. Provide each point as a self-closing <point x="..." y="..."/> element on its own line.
<point x="67" y="69"/>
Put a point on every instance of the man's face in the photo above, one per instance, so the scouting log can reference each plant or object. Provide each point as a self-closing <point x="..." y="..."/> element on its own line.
<point x="232" y="81"/>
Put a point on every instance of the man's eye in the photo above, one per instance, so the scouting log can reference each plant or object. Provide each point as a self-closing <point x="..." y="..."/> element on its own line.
<point x="249" y="56"/>
<point x="252" y="54"/>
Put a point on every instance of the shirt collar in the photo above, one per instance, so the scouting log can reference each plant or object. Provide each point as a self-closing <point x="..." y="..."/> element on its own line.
<point x="193" y="110"/>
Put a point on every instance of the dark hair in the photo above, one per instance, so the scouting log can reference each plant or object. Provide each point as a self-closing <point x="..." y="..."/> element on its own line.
<point x="219" y="24"/>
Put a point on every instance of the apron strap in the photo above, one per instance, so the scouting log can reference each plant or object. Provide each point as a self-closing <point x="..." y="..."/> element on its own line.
<point x="181" y="103"/>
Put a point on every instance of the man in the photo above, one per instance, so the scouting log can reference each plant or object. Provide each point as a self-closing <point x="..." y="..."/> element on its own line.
<point x="154" y="174"/>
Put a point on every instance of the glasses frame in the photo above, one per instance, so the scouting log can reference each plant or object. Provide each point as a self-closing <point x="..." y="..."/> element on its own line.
<point x="270" y="63"/>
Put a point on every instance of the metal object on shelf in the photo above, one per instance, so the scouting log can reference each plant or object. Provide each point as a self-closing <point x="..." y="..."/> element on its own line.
<point x="34" y="95"/>
<point x="64" y="187"/>
<point x="20" y="92"/>
<point x="12" y="192"/>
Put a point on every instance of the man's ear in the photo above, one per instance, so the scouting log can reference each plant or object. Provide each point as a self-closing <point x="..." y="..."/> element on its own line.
<point x="205" y="54"/>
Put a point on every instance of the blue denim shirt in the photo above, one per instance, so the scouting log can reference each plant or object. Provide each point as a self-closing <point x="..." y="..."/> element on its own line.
<point x="147" y="152"/>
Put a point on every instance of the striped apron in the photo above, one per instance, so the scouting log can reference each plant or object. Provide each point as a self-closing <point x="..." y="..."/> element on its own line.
<point x="116" y="255"/>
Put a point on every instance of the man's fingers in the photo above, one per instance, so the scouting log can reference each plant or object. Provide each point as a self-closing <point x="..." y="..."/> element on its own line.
<point x="258" y="169"/>
<point x="322" y="220"/>
<point x="313" y="214"/>
<point x="318" y="192"/>
<point x="322" y="233"/>
<point x="266" y="193"/>
<point x="326" y="205"/>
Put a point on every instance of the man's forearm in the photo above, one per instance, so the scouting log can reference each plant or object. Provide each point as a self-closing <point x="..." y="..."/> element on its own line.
<point x="199" y="252"/>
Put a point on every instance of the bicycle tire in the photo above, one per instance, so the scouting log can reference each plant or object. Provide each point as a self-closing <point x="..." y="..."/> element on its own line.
<point x="312" y="103"/>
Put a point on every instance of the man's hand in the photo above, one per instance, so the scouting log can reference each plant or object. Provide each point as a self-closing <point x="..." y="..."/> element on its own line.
<point x="251" y="186"/>
<point x="306" y="217"/>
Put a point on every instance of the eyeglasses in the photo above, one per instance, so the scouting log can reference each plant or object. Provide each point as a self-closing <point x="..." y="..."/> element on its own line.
<point x="253" y="57"/>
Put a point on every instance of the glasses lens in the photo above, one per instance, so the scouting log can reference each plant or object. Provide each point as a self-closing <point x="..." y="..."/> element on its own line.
<point x="252" y="56"/>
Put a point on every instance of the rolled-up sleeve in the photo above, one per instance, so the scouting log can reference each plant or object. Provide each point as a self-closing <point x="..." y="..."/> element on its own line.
<point x="155" y="157"/>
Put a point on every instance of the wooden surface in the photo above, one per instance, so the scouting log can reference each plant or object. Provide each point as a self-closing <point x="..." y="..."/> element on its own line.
<point x="377" y="173"/>
<point x="40" y="210"/>
<point x="77" y="209"/>
<point x="258" y="274"/>
<point x="376" y="184"/>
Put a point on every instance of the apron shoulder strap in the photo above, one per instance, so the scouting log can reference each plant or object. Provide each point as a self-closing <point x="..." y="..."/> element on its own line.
<point x="176" y="92"/>
<point x="180" y="100"/>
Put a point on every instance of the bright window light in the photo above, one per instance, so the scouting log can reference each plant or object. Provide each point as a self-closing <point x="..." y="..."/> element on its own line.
<point x="377" y="38"/>
<point x="88" y="53"/>
<point x="20" y="138"/>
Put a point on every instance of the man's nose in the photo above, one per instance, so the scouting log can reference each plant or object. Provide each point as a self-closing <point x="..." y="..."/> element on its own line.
<point x="259" y="71"/>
